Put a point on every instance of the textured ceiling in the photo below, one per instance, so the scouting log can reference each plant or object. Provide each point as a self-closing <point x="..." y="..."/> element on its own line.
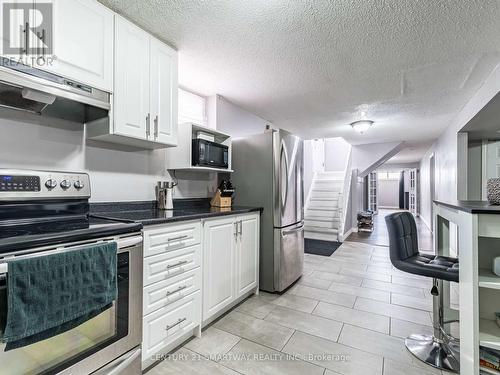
<point x="312" y="67"/>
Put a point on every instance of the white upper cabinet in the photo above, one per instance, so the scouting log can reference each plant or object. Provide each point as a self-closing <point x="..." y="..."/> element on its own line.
<point x="82" y="38"/>
<point x="164" y="92"/>
<point x="145" y="94"/>
<point x="131" y="95"/>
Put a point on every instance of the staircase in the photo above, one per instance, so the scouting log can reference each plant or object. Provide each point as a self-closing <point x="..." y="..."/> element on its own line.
<point x="325" y="206"/>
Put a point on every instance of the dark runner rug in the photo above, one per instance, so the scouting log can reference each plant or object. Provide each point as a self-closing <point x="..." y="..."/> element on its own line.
<point x="318" y="247"/>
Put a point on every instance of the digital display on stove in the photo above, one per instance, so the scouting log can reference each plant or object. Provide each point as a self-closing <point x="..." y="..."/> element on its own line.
<point x="19" y="183"/>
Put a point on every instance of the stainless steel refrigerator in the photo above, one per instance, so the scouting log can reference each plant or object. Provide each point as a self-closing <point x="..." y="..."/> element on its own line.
<point x="268" y="172"/>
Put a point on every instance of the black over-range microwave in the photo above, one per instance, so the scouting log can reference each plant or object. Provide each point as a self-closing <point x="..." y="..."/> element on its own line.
<point x="209" y="154"/>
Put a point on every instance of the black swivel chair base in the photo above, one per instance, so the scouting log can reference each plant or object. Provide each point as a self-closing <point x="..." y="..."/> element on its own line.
<point x="439" y="354"/>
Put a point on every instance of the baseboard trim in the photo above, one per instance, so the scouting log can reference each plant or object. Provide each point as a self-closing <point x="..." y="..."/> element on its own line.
<point x="348" y="233"/>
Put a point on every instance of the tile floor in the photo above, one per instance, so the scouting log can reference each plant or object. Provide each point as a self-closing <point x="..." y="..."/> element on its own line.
<point x="380" y="236"/>
<point x="348" y="314"/>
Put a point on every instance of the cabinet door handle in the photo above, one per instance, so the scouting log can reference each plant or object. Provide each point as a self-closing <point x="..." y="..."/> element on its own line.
<point x="177" y="238"/>
<point x="148" y="125"/>
<point x="177" y="290"/>
<point x="156" y="126"/>
<point x="177" y="264"/>
<point x="241" y="227"/>
<point x="235" y="228"/>
<point x="26" y="38"/>
<point x="176" y="324"/>
<point x="40" y="50"/>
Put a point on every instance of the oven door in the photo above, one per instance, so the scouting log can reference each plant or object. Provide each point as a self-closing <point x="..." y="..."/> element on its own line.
<point x="96" y="342"/>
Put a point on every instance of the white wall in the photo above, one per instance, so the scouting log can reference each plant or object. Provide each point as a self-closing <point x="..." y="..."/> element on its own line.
<point x="474" y="166"/>
<point x="364" y="156"/>
<point x="336" y="154"/>
<point x="117" y="173"/>
<point x="232" y="119"/>
<point x="445" y="148"/>
<point x="308" y="168"/>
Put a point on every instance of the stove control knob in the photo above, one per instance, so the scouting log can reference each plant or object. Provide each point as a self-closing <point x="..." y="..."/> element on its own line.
<point x="65" y="184"/>
<point x="50" y="184"/>
<point x="78" y="184"/>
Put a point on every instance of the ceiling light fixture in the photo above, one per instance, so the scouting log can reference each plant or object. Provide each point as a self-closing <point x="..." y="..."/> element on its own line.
<point x="361" y="126"/>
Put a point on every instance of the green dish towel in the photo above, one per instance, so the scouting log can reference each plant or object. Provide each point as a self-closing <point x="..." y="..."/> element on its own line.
<point x="49" y="295"/>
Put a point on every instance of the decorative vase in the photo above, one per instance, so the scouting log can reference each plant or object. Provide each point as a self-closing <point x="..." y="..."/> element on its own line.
<point x="493" y="191"/>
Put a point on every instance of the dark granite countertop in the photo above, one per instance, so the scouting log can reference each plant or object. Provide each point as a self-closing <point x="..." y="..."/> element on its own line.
<point x="473" y="207"/>
<point x="147" y="213"/>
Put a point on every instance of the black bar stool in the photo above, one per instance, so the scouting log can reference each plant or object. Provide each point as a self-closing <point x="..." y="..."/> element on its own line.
<point x="439" y="350"/>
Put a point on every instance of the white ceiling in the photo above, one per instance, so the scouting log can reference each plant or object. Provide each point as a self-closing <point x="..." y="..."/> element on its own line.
<point x="312" y="67"/>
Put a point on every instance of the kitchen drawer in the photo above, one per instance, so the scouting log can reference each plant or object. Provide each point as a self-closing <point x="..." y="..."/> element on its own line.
<point x="167" y="324"/>
<point x="164" y="266"/>
<point x="166" y="292"/>
<point x="171" y="237"/>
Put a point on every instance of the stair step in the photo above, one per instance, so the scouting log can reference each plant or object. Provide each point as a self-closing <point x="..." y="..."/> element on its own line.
<point x="322" y="218"/>
<point x="325" y="190"/>
<point x="323" y="211"/>
<point x="329" y="188"/>
<point x="323" y="203"/>
<point x="330" y="175"/>
<point x="329" y="199"/>
<point x="321" y="236"/>
<point x="309" y="228"/>
<point x="322" y="224"/>
<point x="326" y="194"/>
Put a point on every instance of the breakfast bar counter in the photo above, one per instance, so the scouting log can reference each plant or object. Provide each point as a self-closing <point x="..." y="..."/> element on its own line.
<point x="477" y="238"/>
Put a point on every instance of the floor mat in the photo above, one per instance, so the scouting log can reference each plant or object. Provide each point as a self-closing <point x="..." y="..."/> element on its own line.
<point x="318" y="247"/>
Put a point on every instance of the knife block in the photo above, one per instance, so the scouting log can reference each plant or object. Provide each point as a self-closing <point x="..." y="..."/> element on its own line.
<point x="220" y="201"/>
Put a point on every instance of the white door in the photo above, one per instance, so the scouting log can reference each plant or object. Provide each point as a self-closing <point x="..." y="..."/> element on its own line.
<point x="164" y="92"/>
<point x="131" y="95"/>
<point x="414" y="192"/>
<point x="82" y="40"/>
<point x="318" y="155"/>
<point x="247" y="254"/>
<point x="219" y="242"/>
<point x="373" y="192"/>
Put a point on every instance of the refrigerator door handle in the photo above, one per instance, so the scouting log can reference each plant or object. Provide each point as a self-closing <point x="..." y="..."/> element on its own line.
<point x="291" y="231"/>
<point x="284" y="192"/>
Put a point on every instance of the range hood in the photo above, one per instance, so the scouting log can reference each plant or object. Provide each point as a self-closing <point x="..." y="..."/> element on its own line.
<point x="32" y="90"/>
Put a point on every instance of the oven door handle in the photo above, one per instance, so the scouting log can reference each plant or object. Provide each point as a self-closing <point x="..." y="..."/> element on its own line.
<point x="121" y="364"/>
<point x="129" y="241"/>
<point x="120" y="244"/>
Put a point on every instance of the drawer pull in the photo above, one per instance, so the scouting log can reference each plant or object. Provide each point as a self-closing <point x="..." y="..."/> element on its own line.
<point x="175" y="324"/>
<point x="177" y="264"/>
<point x="177" y="290"/>
<point x="177" y="238"/>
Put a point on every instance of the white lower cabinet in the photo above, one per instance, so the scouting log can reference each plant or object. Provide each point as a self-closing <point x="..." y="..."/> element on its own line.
<point x="247" y="255"/>
<point x="167" y="324"/>
<point x="219" y="253"/>
<point x="172" y="287"/>
<point x="230" y="261"/>
<point x="193" y="273"/>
